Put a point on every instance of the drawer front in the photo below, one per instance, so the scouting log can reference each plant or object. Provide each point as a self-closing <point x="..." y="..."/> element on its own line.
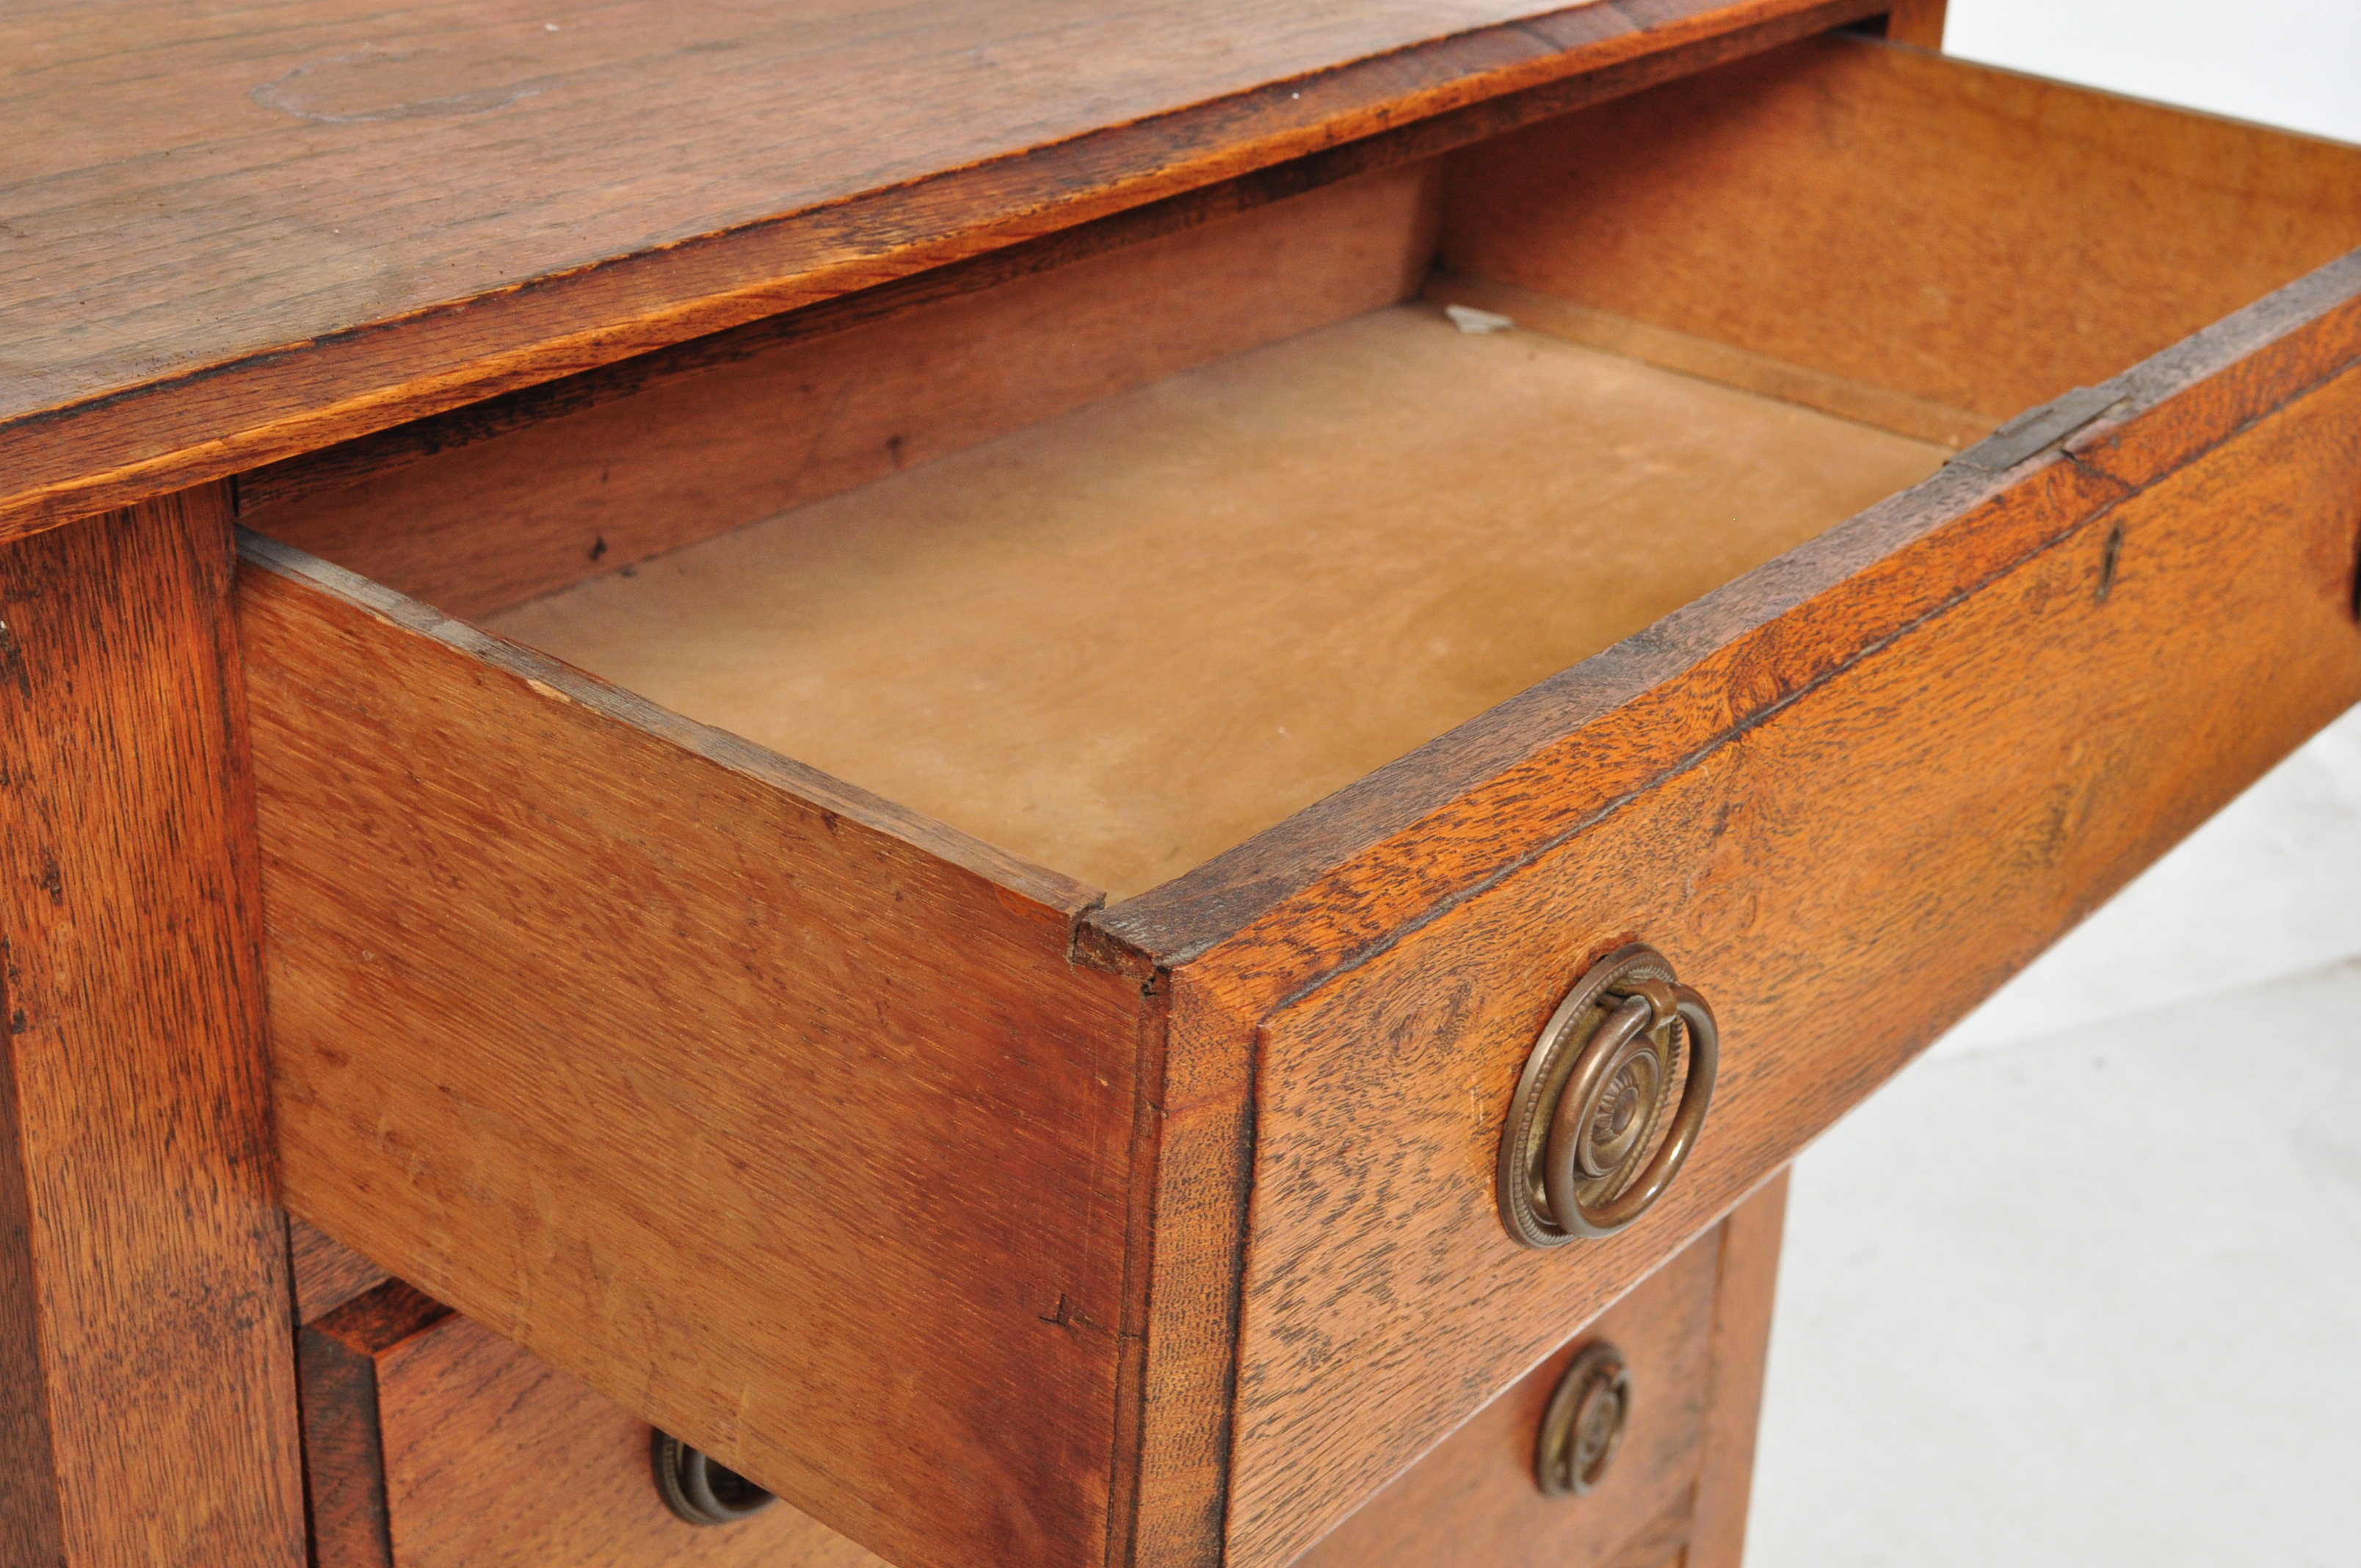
<point x="1692" y="1337"/>
<point x="1847" y="796"/>
<point x="1844" y="864"/>
<point x="430" y="1442"/>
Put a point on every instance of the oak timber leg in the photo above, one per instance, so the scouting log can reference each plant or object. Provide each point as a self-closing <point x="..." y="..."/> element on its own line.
<point x="147" y="1376"/>
<point x="1741" y="1337"/>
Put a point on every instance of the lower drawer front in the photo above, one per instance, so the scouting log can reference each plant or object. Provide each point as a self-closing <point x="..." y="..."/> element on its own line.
<point x="1691" y="1338"/>
<point x="430" y="1442"/>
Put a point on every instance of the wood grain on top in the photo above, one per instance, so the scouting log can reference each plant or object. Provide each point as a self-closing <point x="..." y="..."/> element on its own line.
<point x="227" y="237"/>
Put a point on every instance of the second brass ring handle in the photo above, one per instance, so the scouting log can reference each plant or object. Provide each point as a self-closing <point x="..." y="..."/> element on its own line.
<point x="1576" y="1158"/>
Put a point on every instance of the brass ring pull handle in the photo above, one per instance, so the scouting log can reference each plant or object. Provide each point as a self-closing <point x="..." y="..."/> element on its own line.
<point x="1583" y="1427"/>
<point x="1580" y="1155"/>
<point x="700" y="1489"/>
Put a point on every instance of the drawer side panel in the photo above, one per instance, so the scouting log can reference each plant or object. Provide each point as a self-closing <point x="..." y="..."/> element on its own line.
<point x="1955" y="233"/>
<point x="784" y="1122"/>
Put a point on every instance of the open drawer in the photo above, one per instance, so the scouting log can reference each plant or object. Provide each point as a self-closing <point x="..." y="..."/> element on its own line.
<point x="1053" y="1118"/>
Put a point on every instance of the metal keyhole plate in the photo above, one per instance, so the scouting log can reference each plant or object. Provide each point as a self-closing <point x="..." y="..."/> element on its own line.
<point x="1582" y="1427"/>
<point x="1580" y="1155"/>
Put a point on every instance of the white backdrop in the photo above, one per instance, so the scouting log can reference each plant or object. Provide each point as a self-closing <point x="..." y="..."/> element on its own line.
<point x="2295" y="63"/>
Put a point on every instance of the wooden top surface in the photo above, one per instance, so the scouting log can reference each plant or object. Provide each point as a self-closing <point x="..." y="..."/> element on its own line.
<point x="230" y="235"/>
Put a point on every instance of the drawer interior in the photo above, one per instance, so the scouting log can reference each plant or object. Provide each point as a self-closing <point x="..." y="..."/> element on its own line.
<point x="1117" y="565"/>
<point x="1120" y="641"/>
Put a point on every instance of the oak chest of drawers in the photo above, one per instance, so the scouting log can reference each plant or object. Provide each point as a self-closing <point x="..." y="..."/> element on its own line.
<point x="1061" y="783"/>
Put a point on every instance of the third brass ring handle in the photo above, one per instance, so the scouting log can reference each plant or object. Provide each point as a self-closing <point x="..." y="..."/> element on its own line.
<point x="1584" y="1424"/>
<point x="699" y="1488"/>
<point x="1580" y="1155"/>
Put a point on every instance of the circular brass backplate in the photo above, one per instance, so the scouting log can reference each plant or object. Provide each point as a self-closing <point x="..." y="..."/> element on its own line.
<point x="1580" y="1155"/>
<point x="1582" y="1427"/>
<point x="699" y="1488"/>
